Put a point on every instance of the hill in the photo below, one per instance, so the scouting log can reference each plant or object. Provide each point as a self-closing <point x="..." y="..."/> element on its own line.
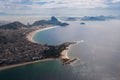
<point x="13" y="25"/>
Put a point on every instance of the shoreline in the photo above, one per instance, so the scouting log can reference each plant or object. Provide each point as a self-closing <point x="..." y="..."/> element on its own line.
<point x="64" y="53"/>
<point x="30" y="35"/>
<point x="65" y="58"/>
<point x="25" y="63"/>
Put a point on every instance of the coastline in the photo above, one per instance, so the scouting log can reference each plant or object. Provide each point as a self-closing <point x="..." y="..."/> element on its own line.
<point x="25" y="63"/>
<point x="64" y="53"/>
<point x="30" y="35"/>
<point x="65" y="58"/>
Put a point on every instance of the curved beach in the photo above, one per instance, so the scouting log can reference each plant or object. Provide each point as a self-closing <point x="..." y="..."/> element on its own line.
<point x="31" y="34"/>
<point x="64" y="53"/>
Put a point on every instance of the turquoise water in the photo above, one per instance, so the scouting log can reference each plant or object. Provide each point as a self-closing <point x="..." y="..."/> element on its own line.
<point x="98" y="51"/>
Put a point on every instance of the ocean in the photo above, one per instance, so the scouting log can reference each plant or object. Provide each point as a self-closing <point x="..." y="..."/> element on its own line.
<point x="98" y="52"/>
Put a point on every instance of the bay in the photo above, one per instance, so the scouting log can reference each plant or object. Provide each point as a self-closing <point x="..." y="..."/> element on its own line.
<point x="98" y="51"/>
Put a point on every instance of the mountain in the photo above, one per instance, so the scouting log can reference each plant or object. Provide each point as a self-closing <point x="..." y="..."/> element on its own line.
<point x="52" y="21"/>
<point x="82" y="23"/>
<point x="55" y="21"/>
<point x="97" y="18"/>
<point x="13" y="25"/>
<point x="71" y="19"/>
<point x="41" y="23"/>
<point x="17" y="25"/>
<point x="91" y="18"/>
<point x="4" y="22"/>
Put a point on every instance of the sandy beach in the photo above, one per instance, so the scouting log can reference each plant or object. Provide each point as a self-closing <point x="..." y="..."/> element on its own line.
<point x="64" y="53"/>
<point x="65" y="58"/>
<point x="31" y="34"/>
<point x="26" y="63"/>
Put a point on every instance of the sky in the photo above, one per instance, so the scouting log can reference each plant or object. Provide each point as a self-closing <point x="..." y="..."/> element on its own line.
<point x="59" y="7"/>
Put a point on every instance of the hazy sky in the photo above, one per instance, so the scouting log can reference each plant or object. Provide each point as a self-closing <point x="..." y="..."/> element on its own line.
<point x="59" y="7"/>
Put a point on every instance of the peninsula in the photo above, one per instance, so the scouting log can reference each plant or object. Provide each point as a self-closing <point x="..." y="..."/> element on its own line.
<point x="17" y="47"/>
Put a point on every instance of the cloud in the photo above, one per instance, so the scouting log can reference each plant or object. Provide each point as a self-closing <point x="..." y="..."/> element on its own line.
<point x="115" y="1"/>
<point x="75" y="4"/>
<point x="30" y="6"/>
<point x="57" y="3"/>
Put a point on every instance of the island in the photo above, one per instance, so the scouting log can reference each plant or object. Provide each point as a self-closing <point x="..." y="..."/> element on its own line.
<point x="71" y="19"/>
<point x="82" y="23"/>
<point x="17" y="47"/>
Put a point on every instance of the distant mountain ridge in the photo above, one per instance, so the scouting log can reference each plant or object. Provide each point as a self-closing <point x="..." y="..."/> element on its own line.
<point x="97" y="18"/>
<point x="71" y="19"/>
